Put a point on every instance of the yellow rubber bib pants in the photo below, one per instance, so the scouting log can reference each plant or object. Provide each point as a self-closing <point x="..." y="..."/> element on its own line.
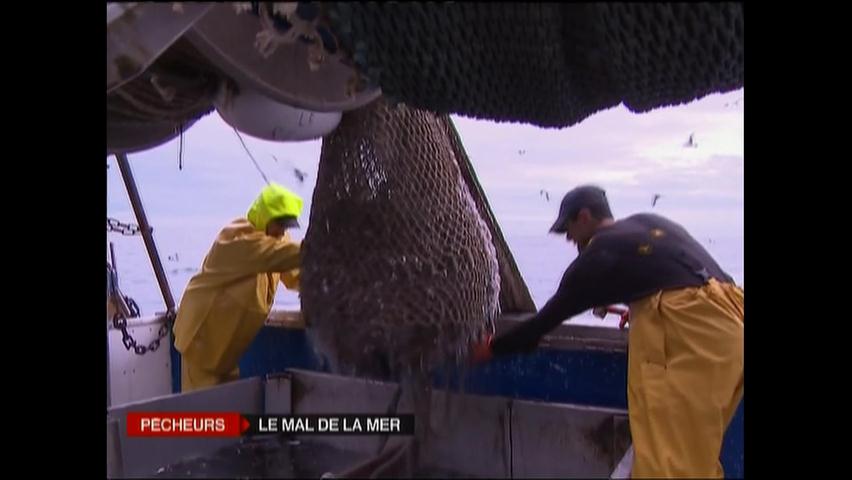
<point x="685" y="378"/>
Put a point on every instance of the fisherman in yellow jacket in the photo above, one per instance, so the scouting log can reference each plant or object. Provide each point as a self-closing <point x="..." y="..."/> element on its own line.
<point x="225" y="305"/>
<point x="685" y="356"/>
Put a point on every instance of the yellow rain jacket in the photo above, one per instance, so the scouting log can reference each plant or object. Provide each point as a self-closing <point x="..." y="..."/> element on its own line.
<point x="225" y="305"/>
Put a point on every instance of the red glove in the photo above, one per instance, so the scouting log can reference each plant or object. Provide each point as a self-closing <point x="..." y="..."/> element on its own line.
<point x="625" y="317"/>
<point x="481" y="352"/>
<point x="622" y="312"/>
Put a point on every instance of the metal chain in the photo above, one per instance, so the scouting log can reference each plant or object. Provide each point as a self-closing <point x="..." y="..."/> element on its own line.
<point x="119" y="321"/>
<point x="132" y="306"/>
<point x="128" y="229"/>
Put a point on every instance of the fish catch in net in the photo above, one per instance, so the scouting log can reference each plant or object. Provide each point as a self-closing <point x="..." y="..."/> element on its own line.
<point x="399" y="271"/>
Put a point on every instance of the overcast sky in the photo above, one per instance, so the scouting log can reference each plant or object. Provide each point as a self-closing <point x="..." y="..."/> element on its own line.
<point x="633" y="156"/>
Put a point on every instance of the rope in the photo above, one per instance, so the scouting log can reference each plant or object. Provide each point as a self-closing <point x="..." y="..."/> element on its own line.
<point x="251" y="156"/>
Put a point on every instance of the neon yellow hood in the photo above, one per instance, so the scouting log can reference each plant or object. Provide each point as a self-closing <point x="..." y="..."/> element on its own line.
<point x="274" y="201"/>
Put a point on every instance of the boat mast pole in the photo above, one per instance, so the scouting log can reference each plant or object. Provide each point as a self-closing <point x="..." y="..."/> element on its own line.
<point x="147" y="231"/>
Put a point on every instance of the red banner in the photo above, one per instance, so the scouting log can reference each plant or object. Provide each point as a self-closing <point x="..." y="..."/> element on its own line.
<point x="185" y="424"/>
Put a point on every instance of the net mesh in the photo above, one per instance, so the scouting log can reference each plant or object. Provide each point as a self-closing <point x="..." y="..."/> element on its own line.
<point x="548" y="64"/>
<point x="399" y="271"/>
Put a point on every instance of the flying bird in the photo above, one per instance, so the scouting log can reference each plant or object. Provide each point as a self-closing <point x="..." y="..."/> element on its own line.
<point x="299" y="174"/>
